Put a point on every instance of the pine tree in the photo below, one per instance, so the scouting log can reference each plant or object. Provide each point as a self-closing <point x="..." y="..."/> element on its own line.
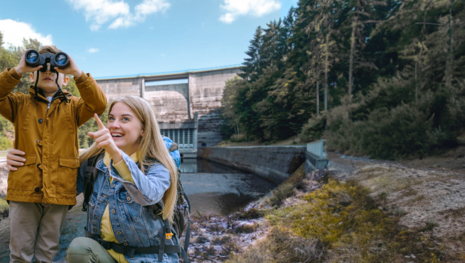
<point x="252" y="63"/>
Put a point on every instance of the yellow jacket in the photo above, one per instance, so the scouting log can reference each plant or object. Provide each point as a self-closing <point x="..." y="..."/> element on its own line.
<point x="49" y="137"/>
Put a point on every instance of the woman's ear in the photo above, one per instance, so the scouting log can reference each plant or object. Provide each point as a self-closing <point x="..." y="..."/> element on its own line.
<point x="31" y="77"/>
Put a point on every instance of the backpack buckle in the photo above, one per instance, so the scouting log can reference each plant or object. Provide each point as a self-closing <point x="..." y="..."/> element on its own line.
<point x="169" y="235"/>
<point x="106" y="245"/>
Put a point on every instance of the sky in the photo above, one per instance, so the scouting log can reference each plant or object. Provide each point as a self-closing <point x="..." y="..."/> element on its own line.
<point x="126" y="37"/>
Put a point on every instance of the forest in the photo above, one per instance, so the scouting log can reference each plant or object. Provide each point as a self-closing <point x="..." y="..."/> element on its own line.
<point x="384" y="79"/>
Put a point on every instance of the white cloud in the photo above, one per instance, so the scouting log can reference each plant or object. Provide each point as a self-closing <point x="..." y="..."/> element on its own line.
<point x="235" y="8"/>
<point x="99" y="12"/>
<point x="93" y="50"/>
<point x="14" y="32"/>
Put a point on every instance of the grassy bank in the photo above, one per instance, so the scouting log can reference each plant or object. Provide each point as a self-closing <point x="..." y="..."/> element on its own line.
<point x="337" y="222"/>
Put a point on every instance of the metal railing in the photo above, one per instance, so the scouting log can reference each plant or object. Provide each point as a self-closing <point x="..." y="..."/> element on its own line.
<point x="317" y="148"/>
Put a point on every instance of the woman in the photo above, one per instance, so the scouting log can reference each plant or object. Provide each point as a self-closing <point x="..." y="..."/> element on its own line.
<point x="135" y="173"/>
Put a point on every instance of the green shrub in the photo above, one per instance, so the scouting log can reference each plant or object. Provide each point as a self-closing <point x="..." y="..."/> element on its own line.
<point x="386" y="134"/>
<point x="280" y="193"/>
<point x="238" y="138"/>
<point x="313" y="129"/>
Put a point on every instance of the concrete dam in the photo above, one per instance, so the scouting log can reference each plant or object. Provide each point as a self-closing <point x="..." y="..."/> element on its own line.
<point x="187" y="112"/>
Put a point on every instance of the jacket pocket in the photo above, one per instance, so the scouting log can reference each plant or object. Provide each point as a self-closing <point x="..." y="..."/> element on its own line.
<point x="67" y="174"/>
<point x="23" y="178"/>
<point x="131" y="208"/>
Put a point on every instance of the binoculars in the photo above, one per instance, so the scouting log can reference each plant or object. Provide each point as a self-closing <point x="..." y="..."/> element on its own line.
<point x="59" y="60"/>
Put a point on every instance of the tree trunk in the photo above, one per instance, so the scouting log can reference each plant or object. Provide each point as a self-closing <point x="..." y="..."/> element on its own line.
<point x="417" y="88"/>
<point x="317" y="98"/>
<point x="326" y="71"/>
<point x="352" y="51"/>
<point x="416" y="81"/>
<point x="450" y="56"/>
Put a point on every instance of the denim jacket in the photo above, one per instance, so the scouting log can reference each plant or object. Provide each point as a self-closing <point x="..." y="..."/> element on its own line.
<point x="128" y="205"/>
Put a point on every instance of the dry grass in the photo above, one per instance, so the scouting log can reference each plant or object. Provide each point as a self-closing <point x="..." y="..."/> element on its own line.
<point x="340" y="223"/>
<point x="281" y="246"/>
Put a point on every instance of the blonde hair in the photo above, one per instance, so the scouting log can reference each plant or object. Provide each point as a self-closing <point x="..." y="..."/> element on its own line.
<point x="150" y="147"/>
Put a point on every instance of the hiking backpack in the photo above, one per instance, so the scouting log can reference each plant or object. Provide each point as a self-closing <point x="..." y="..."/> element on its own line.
<point x="181" y="217"/>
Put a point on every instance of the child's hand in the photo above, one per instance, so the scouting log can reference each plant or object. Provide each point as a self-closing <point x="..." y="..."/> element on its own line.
<point x="14" y="158"/>
<point x="72" y="69"/>
<point x="104" y="140"/>
<point x="23" y="67"/>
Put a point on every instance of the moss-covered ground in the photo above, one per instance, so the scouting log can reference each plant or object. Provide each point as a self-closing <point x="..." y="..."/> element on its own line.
<point x="337" y="222"/>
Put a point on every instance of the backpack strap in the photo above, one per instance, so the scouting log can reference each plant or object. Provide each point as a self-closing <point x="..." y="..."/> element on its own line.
<point x="90" y="174"/>
<point x="188" y="231"/>
<point x="167" y="233"/>
<point x="131" y="251"/>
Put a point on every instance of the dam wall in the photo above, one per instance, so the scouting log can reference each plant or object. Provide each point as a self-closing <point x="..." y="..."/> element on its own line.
<point x="177" y="105"/>
<point x="274" y="163"/>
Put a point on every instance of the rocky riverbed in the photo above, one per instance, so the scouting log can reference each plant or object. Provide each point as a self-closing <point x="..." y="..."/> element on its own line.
<point x="420" y="204"/>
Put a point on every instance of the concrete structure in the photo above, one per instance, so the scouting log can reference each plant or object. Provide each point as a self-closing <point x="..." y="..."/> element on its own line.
<point x="274" y="163"/>
<point x="187" y="112"/>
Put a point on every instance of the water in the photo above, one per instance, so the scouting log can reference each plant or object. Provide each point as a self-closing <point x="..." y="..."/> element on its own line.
<point x="212" y="189"/>
<point x="217" y="189"/>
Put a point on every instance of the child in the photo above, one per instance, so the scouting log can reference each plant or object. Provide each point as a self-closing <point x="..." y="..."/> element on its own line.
<point x="46" y="130"/>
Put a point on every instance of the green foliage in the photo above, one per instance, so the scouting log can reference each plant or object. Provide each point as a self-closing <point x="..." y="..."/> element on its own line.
<point x="401" y="62"/>
<point x="280" y="193"/>
<point x="314" y="129"/>
<point x="386" y="134"/>
<point x="3" y="205"/>
<point x="383" y="126"/>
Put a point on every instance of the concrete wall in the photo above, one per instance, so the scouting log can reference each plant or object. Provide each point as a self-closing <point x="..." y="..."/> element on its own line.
<point x="170" y="102"/>
<point x="116" y="88"/>
<point x="206" y="91"/>
<point x="274" y="163"/>
<point x="179" y="102"/>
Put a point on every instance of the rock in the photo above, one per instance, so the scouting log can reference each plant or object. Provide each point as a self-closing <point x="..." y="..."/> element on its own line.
<point x="344" y="199"/>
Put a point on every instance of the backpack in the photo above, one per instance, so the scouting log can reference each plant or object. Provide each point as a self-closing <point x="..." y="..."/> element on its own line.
<point x="181" y="217"/>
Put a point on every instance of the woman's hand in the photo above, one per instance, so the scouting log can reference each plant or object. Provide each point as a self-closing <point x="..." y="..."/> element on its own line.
<point x="104" y="140"/>
<point x="14" y="158"/>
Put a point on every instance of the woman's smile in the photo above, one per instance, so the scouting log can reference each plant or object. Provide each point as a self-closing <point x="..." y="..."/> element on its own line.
<point x="117" y="135"/>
